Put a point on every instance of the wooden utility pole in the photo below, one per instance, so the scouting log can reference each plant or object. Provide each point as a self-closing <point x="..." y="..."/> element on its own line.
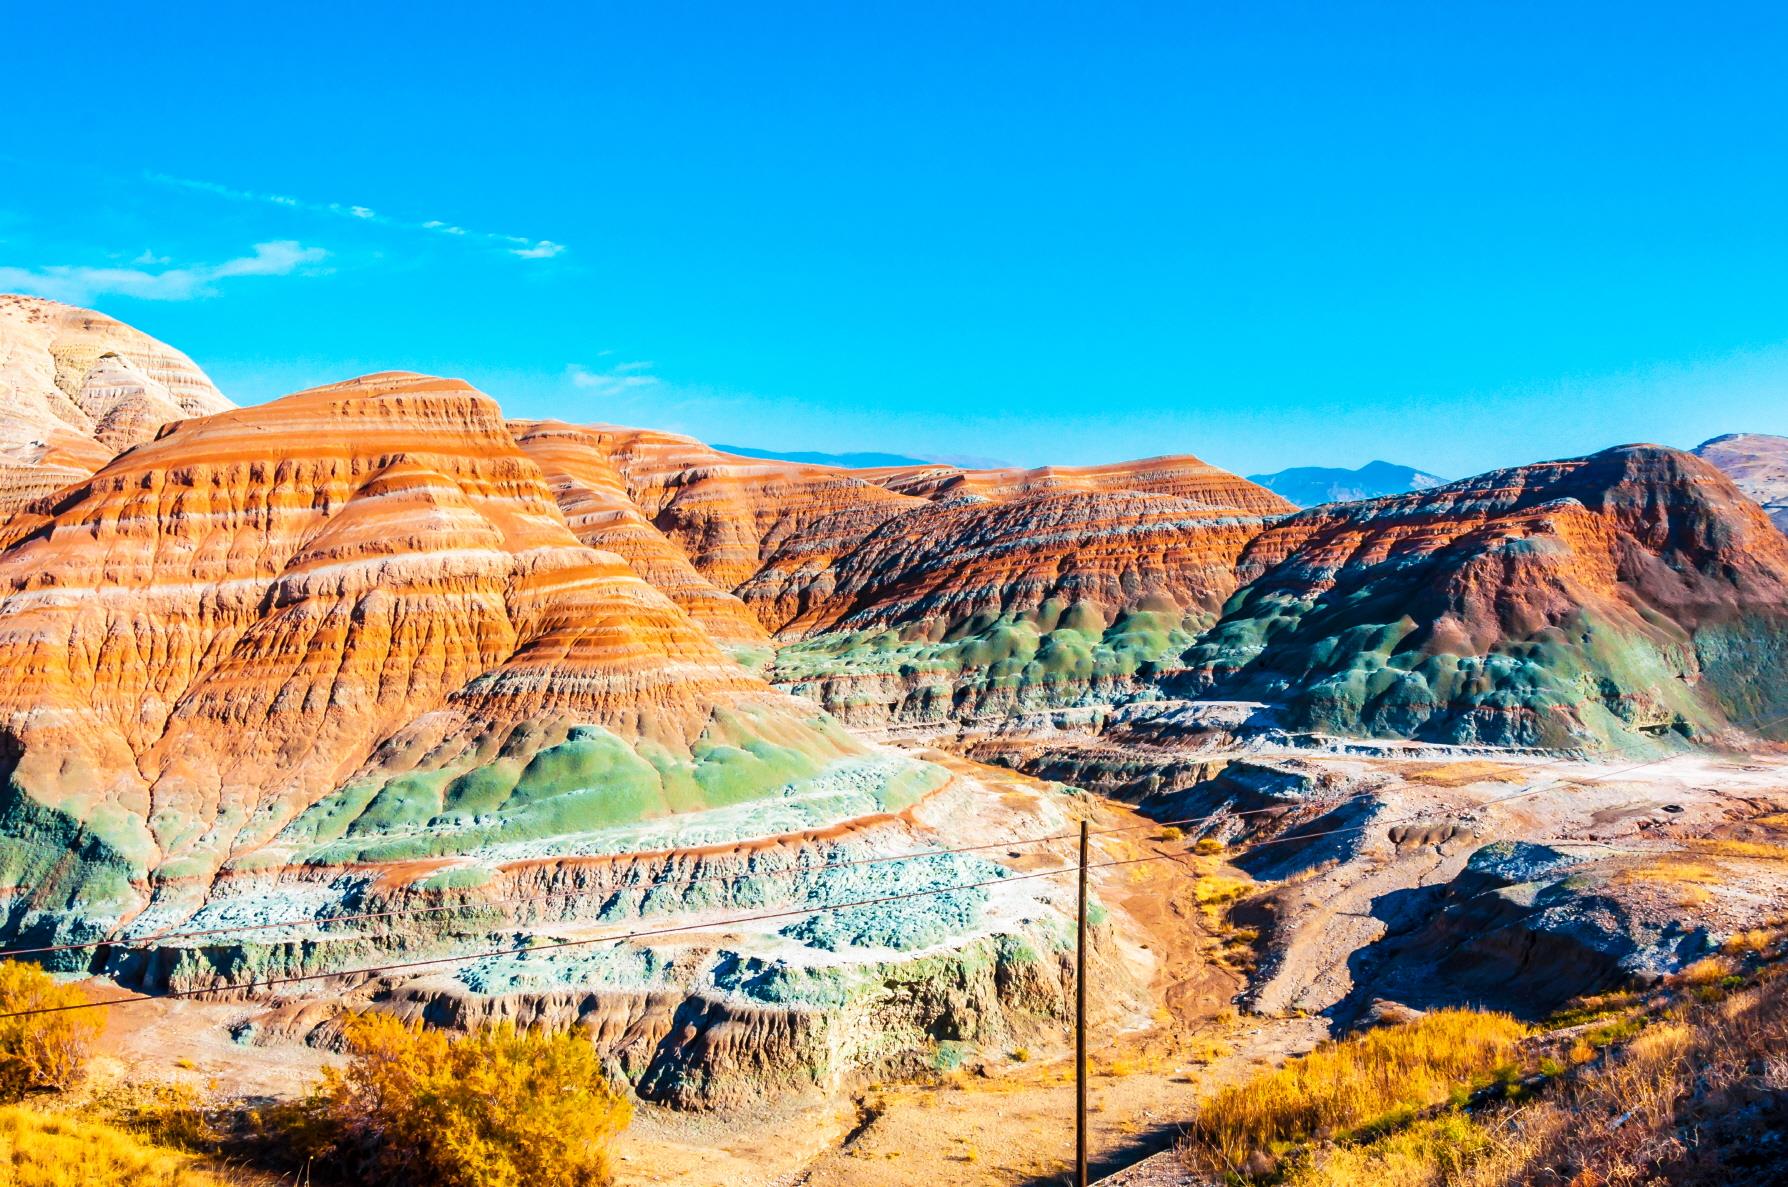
<point x="1080" y="1024"/>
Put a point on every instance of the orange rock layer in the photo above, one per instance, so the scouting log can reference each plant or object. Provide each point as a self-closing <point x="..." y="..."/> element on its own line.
<point x="222" y="626"/>
<point x="593" y="497"/>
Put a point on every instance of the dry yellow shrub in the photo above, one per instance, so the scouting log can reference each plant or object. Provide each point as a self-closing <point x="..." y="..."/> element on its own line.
<point x="1756" y="850"/>
<point x="1616" y="1118"/>
<point x="1451" y="1150"/>
<point x="499" y="1107"/>
<point x="42" y="1051"/>
<point x="1674" y="869"/>
<point x="1756" y="940"/>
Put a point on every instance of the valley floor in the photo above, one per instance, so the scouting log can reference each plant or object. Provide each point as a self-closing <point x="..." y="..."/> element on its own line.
<point x="1678" y="836"/>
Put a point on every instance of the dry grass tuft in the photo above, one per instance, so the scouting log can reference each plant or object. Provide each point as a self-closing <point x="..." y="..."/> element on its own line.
<point x="1672" y="869"/>
<point x="43" y="1149"/>
<point x="1463" y="774"/>
<point x="1662" y="1105"/>
<point x="1751" y="850"/>
<point x="1361" y="1081"/>
<point x="1709" y="970"/>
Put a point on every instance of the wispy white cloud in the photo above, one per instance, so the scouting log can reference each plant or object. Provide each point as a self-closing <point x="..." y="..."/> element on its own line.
<point x="522" y="246"/>
<point x="80" y="284"/>
<point x="611" y="381"/>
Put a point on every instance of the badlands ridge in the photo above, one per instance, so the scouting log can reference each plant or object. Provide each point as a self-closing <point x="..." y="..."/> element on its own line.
<point x="372" y="676"/>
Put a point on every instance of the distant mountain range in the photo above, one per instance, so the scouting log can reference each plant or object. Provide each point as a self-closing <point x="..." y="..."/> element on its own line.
<point x="1311" y="486"/>
<point x="849" y="461"/>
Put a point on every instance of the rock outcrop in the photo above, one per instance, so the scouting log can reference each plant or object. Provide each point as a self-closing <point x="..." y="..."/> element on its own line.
<point x="76" y="387"/>
<point x="914" y="593"/>
<point x="1559" y="604"/>
<point x="1758" y="464"/>
<point x="730" y="514"/>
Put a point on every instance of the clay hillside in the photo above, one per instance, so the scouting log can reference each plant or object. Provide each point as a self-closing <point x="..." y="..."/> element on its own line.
<point x="1758" y="463"/>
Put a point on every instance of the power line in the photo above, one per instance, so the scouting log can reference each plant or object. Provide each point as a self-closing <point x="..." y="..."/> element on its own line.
<point x="402" y="912"/>
<point x="555" y="944"/>
<point x="408" y="912"/>
<point x="820" y="869"/>
<point x="649" y="933"/>
<point x="405" y="912"/>
<point x="1008" y="879"/>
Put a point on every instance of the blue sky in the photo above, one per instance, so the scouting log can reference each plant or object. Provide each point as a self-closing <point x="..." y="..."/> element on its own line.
<point x="1451" y="235"/>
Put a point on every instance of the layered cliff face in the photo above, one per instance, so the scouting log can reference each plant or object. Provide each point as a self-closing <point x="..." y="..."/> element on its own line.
<point x="76" y="387"/>
<point x="347" y="654"/>
<point x="1758" y="464"/>
<point x="1634" y="590"/>
<point x="914" y="592"/>
<point x="1161" y="534"/>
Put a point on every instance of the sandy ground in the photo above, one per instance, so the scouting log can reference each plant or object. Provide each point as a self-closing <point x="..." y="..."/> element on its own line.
<point x="190" y="1040"/>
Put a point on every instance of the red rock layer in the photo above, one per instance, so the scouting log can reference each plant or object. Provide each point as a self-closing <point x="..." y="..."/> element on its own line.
<point x="593" y="497"/>
<point x="731" y="514"/>
<point x="1636" y="522"/>
<point x="1182" y="477"/>
<point x="814" y="548"/>
<point x="76" y="387"/>
<point x="1162" y="534"/>
<point x="222" y="625"/>
<point x="1637" y="580"/>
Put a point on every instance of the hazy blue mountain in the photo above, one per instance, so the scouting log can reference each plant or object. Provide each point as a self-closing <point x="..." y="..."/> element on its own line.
<point x="1308" y="486"/>
<point x="853" y="461"/>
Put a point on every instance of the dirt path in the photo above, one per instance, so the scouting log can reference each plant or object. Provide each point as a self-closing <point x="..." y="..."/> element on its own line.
<point x="1010" y="1122"/>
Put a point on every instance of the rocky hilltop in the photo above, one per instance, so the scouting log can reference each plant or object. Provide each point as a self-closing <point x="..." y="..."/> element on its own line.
<point x="593" y="497"/>
<point x="1634" y="590"/>
<point x="1758" y="464"/>
<point x="926" y="592"/>
<point x="351" y="587"/>
<point x="76" y="387"/>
